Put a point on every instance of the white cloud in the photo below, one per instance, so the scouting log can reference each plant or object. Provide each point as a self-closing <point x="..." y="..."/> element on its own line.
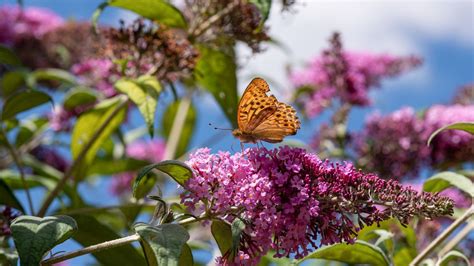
<point x="398" y="27"/>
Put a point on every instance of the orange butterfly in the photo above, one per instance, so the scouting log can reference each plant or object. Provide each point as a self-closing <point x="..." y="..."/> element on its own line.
<point x="263" y="117"/>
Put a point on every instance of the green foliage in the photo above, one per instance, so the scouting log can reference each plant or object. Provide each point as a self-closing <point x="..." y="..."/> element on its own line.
<point x="222" y="233"/>
<point x="465" y="126"/>
<point x="264" y="6"/>
<point x="443" y="180"/>
<point x="92" y="231"/>
<point x="8" y="198"/>
<point x="360" y="252"/>
<point x="453" y="255"/>
<point x="157" y="10"/>
<point x="144" y="92"/>
<point x="216" y="72"/>
<point x="23" y="101"/>
<point x="79" y="96"/>
<point x="54" y="74"/>
<point x="35" y="236"/>
<point x="163" y="244"/>
<point x="177" y="170"/>
<point x="108" y="114"/>
<point x="186" y="133"/>
<point x="8" y="57"/>
<point x="12" y="81"/>
<point x="8" y="257"/>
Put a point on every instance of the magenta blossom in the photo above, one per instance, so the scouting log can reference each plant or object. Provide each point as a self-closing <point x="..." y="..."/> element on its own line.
<point x="97" y="74"/>
<point x="345" y="75"/>
<point x="152" y="151"/>
<point x="293" y="202"/>
<point x="17" y="23"/>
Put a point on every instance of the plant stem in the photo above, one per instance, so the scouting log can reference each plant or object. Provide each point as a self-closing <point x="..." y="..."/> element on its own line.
<point x="67" y="175"/>
<point x="443" y="236"/>
<point x="108" y="244"/>
<point x="177" y="128"/>
<point x="16" y="159"/>
<point x="91" y="249"/>
<point x="456" y="239"/>
<point x="213" y="19"/>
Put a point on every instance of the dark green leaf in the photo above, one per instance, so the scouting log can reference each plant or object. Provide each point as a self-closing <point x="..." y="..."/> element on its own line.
<point x="23" y="101"/>
<point x="8" y="198"/>
<point x="222" y="233"/>
<point x="453" y="255"/>
<point x="360" y="252"/>
<point x="111" y="167"/>
<point x="144" y="93"/>
<point x="88" y="124"/>
<point x="237" y="228"/>
<point x="8" y="57"/>
<point x="189" y="124"/>
<point x="144" y="187"/>
<point x="264" y="7"/>
<point x="79" y="96"/>
<point x="216" y="72"/>
<point x="93" y="231"/>
<point x="162" y="244"/>
<point x="177" y="170"/>
<point x="465" y="126"/>
<point x="54" y="74"/>
<point x="29" y="128"/>
<point x="34" y="236"/>
<point x="186" y="257"/>
<point x="8" y="257"/>
<point x="157" y="10"/>
<point x="443" y="180"/>
<point x="11" y="82"/>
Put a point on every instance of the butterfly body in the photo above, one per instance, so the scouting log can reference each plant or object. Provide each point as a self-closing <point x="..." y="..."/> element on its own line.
<point x="263" y="117"/>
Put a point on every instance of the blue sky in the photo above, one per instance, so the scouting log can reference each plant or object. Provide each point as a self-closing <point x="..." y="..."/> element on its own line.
<point x="440" y="31"/>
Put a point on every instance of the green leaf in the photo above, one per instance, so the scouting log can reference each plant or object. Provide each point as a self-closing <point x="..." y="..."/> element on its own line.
<point x="452" y="255"/>
<point x="8" y="57"/>
<point x="222" y="233"/>
<point x="29" y="128"/>
<point x="177" y="170"/>
<point x="188" y="128"/>
<point x="443" y="180"/>
<point x="23" y="101"/>
<point x="162" y="244"/>
<point x="54" y="74"/>
<point x="186" y="257"/>
<point x="11" y="82"/>
<point x="115" y="166"/>
<point x="8" y="198"/>
<point x="144" y="92"/>
<point x="264" y="6"/>
<point x="360" y="252"/>
<point x="216" y="72"/>
<point x="404" y="256"/>
<point x="87" y="125"/>
<point x="94" y="231"/>
<point x="465" y="126"/>
<point x="8" y="257"/>
<point x="157" y="10"/>
<point x="79" y="96"/>
<point x="34" y="236"/>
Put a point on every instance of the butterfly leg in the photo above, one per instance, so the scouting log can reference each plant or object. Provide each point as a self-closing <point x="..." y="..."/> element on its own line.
<point x="242" y="147"/>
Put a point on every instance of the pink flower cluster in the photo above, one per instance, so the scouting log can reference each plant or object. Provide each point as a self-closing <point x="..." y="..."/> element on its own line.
<point x="33" y="22"/>
<point x="152" y="151"/>
<point x="394" y="145"/>
<point x="345" y="75"/>
<point x="293" y="202"/>
<point x="98" y="74"/>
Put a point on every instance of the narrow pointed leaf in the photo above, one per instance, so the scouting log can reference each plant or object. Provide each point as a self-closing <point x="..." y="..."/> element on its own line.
<point x="465" y="126"/>
<point x="23" y="101"/>
<point x="8" y="198"/>
<point x="443" y="180"/>
<point x="452" y="255"/>
<point x="55" y="74"/>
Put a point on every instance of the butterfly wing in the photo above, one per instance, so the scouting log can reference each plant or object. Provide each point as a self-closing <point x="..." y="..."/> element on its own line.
<point x="281" y="123"/>
<point x="255" y="106"/>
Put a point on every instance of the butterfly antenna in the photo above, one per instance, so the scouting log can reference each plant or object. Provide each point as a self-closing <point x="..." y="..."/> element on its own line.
<point x="219" y="128"/>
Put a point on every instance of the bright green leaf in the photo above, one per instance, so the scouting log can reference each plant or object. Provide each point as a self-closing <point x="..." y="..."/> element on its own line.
<point x="8" y="198"/>
<point x="443" y="180"/>
<point x="34" y="236"/>
<point x="360" y="252"/>
<point x="264" y="6"/>
<point x="93" y="231"/>
<point x="144" y="93"/>
<point x="54" y="74"/>
<point x="188" y="128"/>
<point x="453" y="255"/>
<point x="465" y="126"/>
<point x="222" y="233"/>
<point x="177" y="170"/>
<point x="403" y="256"/>
<point x="8" y="57"/>
<point x="216" y="72"/>
<point x="11" y="82"/>
<point x="88" y="124"/>
<point x="78" y="97"/>
<point x="158" y="10"/>
<point x="23" y="101"/>
<point x="162" y="244"/>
